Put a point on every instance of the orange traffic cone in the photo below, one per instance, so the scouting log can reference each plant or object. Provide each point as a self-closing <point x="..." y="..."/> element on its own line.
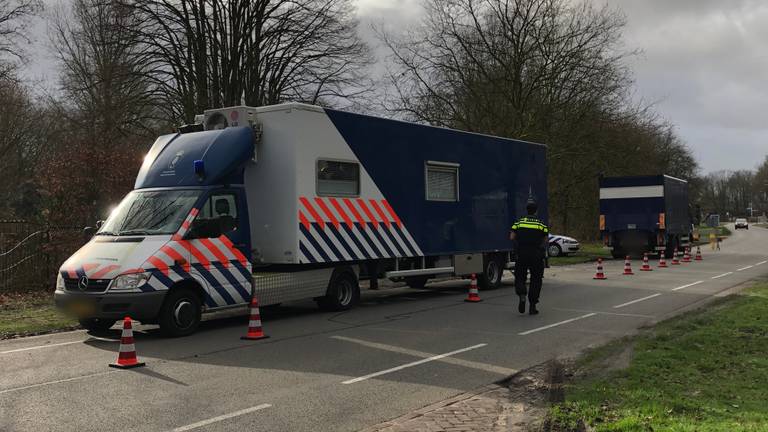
<point x="675" y="260"/>
<point x="600" y="275"/>
<point x="473" y="296"/>
<point x="698" y="254"/>
<point x="646" y="266"/>
<point x="662" y="260"/>
<point x="126" y="358"/>
<point x="687" y="255"/>
<point x="627" y="267"/>
<point x="254" y="323"/>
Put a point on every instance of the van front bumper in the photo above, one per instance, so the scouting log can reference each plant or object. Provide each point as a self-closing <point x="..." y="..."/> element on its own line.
<point x="143" y="307"/>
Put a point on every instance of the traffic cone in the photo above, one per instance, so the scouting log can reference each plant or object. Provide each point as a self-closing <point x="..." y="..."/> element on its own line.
<point x="126" y="358"/>
<point x="473" y="296"/>
<point x="687" y="255"/>
<point x="675" y="260"/>
<point x="698" y="254"/>
<point x="627" y="267"/>
<point x="662" y="260"/>
<point x="646" y="266"/>
<point x="254" y="323"/>
<point x="600" y="275"/>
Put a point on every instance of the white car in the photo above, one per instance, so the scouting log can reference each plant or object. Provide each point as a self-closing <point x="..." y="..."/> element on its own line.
<point x="561" y="245"/>
<point x="742" y="223"/>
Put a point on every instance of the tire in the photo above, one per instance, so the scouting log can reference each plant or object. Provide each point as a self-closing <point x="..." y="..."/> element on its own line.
<point x="554" y="250"/>
<point x="493" y="270"/>
<point x="343" y="292"/>
<point x="97" y="325"/>
<point x="416" y="282"/>
<point x="180" y="313"/>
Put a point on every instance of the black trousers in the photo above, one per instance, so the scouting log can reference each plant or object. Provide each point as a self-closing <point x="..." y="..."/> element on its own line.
<point x="533" y="262"/>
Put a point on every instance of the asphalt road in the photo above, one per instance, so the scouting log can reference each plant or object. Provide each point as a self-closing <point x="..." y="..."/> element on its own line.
<point x="399" y="351"/>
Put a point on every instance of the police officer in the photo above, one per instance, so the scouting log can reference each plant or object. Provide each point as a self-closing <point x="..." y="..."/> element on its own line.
<point x="530" y="236"/>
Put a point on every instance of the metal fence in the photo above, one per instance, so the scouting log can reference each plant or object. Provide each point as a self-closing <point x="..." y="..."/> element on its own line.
<point x="30" y="253"/>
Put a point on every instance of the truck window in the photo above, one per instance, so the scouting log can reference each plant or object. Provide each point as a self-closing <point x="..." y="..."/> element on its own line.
<point x="335" y="178"/>
<point x="442" y="181"/>
<point x="217" y="216"/>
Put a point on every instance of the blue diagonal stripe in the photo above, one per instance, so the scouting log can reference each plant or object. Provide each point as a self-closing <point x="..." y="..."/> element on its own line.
<point x="227" y="273"/>
<point x="214" y="283"/>
<point x="315" y="244"/>
<point x="306" y="253"/>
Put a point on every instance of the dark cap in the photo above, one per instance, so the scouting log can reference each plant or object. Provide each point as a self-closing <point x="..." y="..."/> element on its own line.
<point x="531" y="206"/>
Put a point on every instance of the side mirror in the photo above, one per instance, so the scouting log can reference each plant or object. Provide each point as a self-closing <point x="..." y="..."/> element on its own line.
<point x="88" y="232"/>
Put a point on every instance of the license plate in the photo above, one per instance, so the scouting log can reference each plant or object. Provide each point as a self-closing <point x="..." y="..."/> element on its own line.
<point x="81" y="308"/>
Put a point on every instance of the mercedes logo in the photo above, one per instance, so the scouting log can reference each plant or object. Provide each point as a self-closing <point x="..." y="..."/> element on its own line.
<point x="83" y="283"/>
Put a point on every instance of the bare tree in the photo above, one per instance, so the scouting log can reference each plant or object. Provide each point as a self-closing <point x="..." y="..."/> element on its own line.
<point x="211" y="53"/>
<point x="14" y="18"/>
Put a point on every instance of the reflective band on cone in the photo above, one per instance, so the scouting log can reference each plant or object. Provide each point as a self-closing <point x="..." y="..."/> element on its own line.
<point x="473" y="295"/>
<point x="646" y="266"/>
<point x="687" y="255"/>
<point x="126" y="358"/>
<point x="254" y="323"/>
<point x="698" y="254"/>
<point x="627" y="267"/>
<point x="662" y="260"/>
<point x="675" y="260"/>
<point x="600" y="275"/>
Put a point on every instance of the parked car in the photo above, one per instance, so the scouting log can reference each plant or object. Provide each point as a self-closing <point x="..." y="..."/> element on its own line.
<point x="742" y="223"/>
<point x="562" y="245"/>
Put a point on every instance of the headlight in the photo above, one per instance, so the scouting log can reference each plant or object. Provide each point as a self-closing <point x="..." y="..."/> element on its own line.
<point x="60" y="282"/>
<point x="129" y="282"/>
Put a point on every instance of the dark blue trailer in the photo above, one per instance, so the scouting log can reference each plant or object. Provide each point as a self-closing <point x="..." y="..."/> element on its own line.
<point x="641" y="214"/>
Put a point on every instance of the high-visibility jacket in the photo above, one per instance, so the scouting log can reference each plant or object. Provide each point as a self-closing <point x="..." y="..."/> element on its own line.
<point x="530" y="233"/>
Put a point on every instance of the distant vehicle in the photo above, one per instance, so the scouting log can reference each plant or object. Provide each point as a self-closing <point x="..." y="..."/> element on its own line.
<point x="644" y="214"/>
<point x="742" y="223"/>
<point x="562" y="245"/>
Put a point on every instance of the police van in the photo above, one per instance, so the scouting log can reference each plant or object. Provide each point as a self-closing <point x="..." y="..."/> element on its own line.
<point x="292" y="202"/>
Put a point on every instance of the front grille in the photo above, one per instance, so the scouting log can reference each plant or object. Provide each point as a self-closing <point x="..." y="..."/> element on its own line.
<point x="94" y="285"/>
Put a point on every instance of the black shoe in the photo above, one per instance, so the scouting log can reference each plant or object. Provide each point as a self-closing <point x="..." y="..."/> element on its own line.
<point x="521" y="305"/>
<point x="533" y="310"/>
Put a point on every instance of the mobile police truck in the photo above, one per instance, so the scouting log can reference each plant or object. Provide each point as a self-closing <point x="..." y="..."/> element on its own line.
<point x="293" y="201"/>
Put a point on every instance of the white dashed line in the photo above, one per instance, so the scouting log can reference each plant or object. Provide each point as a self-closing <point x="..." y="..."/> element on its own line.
<point x="40" y="347"/>
<point x="686" y="286"/>
<point x="745" y="268"/>
<point x="221" y="417"/>
<point x="416" y="363"/>
<point x="557" y="324"/>
<point x="722" y="275"/>
<point x="761" y="263"/>
<point x="636" y="301"/>
<point x="56" y="382"/>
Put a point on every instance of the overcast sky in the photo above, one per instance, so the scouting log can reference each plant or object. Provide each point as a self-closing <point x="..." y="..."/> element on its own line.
<point x="704" y="63"/>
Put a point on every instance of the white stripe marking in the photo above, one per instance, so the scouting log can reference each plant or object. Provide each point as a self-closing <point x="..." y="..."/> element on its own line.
<point x="557" y="324"/>
<point x="722" y="275"/>
<point x="39" y="347"/>
<point x="416" y="363"/>
<point x="221" y="417"/>
<point x="686" y="286"/>
<point x="55" y="382"/>
<point x="761" y="263"/>
<point x="745" y="268"/>
<point x="636" y="301"/>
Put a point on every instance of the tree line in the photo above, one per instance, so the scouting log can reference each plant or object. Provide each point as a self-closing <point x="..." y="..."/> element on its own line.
<point x="550" y="71"/>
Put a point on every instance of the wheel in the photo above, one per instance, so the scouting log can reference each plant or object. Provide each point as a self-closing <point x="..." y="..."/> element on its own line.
<point x="554" y="250"/>
<point x="493" y="270"/>
<point x="343" y="292"/>
<point x="180" y="313"/>
<point x="97" y="325"/>
<point x="416" y="281"/>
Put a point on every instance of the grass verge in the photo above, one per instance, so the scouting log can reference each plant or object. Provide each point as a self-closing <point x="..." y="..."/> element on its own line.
<point x="703" y="371"/>
<point x="28" y="313"/>
<point x="589" y="252"/>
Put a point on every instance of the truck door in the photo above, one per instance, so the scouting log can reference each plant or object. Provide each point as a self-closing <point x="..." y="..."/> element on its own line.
<point x="220" y="234"/>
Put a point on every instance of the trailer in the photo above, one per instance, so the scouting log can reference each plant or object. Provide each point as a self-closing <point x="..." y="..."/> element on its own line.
<point x="642" y="214"/>
<point x="292" y="202"/>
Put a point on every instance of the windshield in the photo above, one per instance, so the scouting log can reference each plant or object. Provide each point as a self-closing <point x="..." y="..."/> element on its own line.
<point x="148" y="213"/>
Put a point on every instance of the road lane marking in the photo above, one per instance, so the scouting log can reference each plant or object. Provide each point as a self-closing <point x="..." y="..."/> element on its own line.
<point x="39" y="347"/>
<point x="55" y="382"/>
<point x="636" y="301"/>
<point x="221" y="417"/>
<point x="745" y="268"/>
<point x="416" y="363"/>
<point x="687" y="286"/>
<point x="451" y="360"/>
<point x="557" y="324"/>
<point x="722" y="275"/>
<point x="761" y="263"/>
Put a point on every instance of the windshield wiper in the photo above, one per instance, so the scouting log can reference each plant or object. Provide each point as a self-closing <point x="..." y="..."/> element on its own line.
<point x="110" y="233"/>
<point x="133" y="232"/>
